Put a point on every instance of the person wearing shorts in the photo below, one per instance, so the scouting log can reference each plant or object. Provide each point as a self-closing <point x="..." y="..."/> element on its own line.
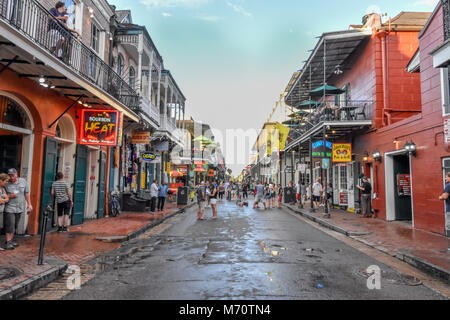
<point x="18" y="192"/>
<point x="61" y="192"/>
<point x="316" y="193"/>
<point x="213" y="200"/>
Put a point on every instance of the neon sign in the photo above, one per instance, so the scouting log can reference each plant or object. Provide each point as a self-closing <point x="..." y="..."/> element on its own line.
<point x="99" y="127"/>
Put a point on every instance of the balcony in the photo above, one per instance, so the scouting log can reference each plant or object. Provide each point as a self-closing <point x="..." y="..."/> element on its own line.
<point x="32" y="32"/>
<point x="339" y="122"/>
<point x="169" y="129"/>
<point x="446" y="10"/>
<point x="150" y="111"/>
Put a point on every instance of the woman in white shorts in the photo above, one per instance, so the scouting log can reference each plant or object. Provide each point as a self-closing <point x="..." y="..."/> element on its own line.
<point x="213" y="198"/>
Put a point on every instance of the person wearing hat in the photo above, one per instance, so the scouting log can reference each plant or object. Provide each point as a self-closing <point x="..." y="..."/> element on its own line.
<point x="18" y="192"/>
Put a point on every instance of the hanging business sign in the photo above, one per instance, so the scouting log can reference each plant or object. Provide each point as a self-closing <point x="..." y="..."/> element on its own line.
<point x="447" y="130"/>
<point x="162" y="146"/>
<point x="325" y="163"/>
<point x="148" y="156"/>
<point x="140" y="137"/>
<point x="120" y="130"/>
<point x="321" y="149"/>
<point x="211" y="173"/>
<point x="99" y="127"/>
<point x="342" y="152"/>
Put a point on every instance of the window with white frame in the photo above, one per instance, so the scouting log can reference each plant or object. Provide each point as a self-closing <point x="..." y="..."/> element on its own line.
<point x="95" y="37"/>
<point x="343" y="178"/>
<point x="446" y="167"/>
<point x="445" y="79"/>
<point x="120" y="64"/>
<point x="132" y="77"/>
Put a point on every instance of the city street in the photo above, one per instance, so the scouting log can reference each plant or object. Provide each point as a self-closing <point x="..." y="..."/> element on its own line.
<point x="245" y="254"/>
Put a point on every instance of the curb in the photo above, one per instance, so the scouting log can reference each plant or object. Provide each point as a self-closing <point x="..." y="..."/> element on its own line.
<point x="39" y="281"/>
<point x="423" y="265"/>
<point x="137" y="233"/>
<point x="34" y="283"/>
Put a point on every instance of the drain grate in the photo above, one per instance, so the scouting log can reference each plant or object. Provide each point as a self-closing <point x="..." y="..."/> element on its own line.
<point x="7" y="273"/>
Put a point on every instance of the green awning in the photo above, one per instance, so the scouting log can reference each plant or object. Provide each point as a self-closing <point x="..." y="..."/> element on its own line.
<point x="310" y="104"/>
<point x="329" y="91"/>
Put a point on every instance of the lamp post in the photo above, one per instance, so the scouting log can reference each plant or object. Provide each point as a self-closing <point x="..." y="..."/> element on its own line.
<point x="327" y="213"/>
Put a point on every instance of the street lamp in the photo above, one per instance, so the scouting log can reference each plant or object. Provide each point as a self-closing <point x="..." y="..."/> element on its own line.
<point x="411" y="148"/>
<point x="377" y="156"/>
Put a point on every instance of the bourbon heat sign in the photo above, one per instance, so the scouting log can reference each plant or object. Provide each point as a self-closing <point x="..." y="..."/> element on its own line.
<point x="99" y="127"/>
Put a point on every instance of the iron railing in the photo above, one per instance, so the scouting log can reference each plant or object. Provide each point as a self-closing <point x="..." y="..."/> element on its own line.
<point x="446" y="10"/>
<point x="36" y="23"/>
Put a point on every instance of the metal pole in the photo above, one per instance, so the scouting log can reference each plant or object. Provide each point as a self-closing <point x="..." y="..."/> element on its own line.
<point x="324" y="71"/>
<point x="327" y="214"/>
<point x="311" y="173"/>
<point x="300" y="176"/>
<point x="43" y="236"/>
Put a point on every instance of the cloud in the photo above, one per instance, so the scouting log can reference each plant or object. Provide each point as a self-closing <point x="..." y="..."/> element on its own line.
<point x="173" y="3"/>
<point x="209" y="18"/>
<point x="239" y="9"/>
<point x="429" y="3"/>
<point x="166" y="14"/>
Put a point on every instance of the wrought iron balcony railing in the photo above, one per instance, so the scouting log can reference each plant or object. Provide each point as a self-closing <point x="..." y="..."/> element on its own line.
<point x="446" y="9"/>
<point x="35" y="22"/>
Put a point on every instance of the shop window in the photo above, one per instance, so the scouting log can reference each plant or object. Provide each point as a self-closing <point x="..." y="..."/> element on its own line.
<point x="446" y="91"/>
<point x="446" y="166"/>
<point x="343" y="180"/>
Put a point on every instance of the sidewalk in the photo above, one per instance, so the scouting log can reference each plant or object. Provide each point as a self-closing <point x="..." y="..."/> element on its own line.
<point x="19" y="270"/>
<point x="424" y="250"/>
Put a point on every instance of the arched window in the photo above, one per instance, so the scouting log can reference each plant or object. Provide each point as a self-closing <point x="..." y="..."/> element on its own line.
<point x="11" y="113"/>
<point x="132" y="77"/>
<point x="120" y="64"/>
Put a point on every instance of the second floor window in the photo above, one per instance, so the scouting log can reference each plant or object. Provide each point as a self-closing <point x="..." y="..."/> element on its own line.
<point x="132" y="77"/>
<point x="95" y="37"/>
<point x="120" y="65"/>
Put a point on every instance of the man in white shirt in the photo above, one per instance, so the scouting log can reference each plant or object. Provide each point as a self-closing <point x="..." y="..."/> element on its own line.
<point x="154" y="189"/>
<point x="317" y="193"/>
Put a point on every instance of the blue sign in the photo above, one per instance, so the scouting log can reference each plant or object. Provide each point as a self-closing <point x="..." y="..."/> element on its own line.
<point x="319" y="144"/>
<point x="148" y="156"/>
<point x="326" y="163"/>
<point x="320" y="152"/>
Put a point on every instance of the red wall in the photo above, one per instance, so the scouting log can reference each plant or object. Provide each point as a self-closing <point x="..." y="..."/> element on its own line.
<point x="425" y="129"/>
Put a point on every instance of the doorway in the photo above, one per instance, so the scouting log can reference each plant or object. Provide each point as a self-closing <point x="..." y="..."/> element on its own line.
<point x="399" y="201"/>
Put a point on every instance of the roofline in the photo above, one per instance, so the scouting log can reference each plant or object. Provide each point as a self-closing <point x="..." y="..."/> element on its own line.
<point x="326" y="36"/>
<point x="165" y="71"/>
<point x="425" y="27"/>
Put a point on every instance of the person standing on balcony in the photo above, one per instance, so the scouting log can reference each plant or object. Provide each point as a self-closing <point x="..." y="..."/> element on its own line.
<point x="59" y="45"/>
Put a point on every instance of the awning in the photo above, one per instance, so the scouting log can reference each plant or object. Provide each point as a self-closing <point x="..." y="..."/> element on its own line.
<point x="327" y="89"/>
<point x="338" y="46"/>
<point x="441" y="55"/>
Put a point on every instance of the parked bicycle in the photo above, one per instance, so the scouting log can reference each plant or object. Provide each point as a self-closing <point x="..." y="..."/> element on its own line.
<point x="115" y="205"/>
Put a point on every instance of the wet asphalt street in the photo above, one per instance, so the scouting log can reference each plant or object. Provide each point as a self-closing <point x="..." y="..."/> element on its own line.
<point x="245" y="254"/>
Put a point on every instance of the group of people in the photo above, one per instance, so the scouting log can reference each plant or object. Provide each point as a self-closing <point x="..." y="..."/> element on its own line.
<point x="268" y="194"/>
<point x="158" y="195"/>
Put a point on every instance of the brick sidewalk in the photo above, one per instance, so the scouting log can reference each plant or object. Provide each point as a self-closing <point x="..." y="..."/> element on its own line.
<point x="75" y="247"/>
<point x="394" y="238"/>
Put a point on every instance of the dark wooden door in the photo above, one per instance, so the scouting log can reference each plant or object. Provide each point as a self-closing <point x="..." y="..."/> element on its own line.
<point x="79" y="191"/>
<point x="48" y="177"/>
<point x="101" y="186"/>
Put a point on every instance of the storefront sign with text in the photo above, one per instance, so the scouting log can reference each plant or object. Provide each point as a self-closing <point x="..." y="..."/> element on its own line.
<point x="99" y="127"/>
<point x="342" y="152"/>
<point x="140" y="137"/>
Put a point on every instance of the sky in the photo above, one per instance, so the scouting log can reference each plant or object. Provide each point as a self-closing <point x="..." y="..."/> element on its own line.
<point x="233" y="58"/>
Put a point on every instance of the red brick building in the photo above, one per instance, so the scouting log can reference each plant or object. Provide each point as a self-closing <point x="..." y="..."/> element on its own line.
<point x="389" y="79"/>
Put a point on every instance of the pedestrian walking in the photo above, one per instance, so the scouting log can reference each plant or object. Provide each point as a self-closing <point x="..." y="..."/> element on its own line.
<point x="213" y="200"/>
<point x="154" y="189"/>
<point x="61" y="193"/>
<point x="201" y="200"/>
<point x="267" y="195"/>
<point x="162" y="195"/>
<point x="280" y="196"/>
<point x="316" y="194"/>
<point x="229" y="193"/>
<point x="18" y="193"/>
<point x="446" y="197"/>
<point x="221" y="191"/>
<point x="273" y="194"/>
<point x="329" y="197"/>
<point x="298" y="192"/>
<point x="303" y="193"/>
<point x="245" y="191"/>
<point x="259" y="196"/>
<point x="366" y="197"/>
